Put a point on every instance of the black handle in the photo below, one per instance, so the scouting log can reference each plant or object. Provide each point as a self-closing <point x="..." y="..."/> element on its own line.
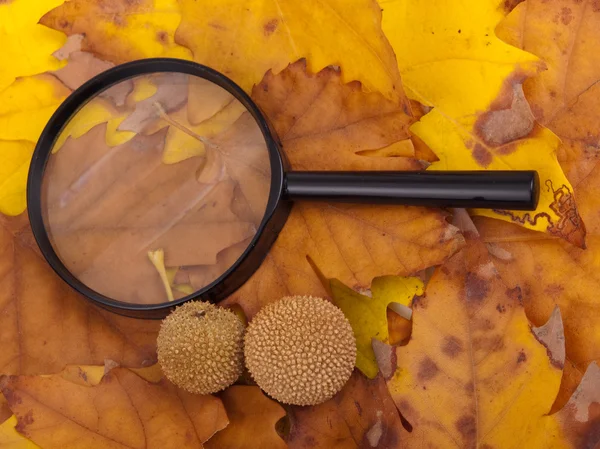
<point x="514" y="190"/>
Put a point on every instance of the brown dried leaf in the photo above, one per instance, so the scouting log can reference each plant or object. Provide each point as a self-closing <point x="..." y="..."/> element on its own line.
<point x="362" y="415"/>
<point x="123" y="410"/>
<point x="46" y="325"/>
<point x="252" y="419"/>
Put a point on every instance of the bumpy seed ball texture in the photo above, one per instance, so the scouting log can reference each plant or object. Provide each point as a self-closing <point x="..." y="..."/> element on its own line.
<point x="300" y="350"/>
<point x="201" y="347"/>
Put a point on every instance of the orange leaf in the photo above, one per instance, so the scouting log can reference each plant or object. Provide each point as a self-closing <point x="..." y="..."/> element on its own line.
<point x="252" y="419"/>
<point x="123" y="410"/>
<point x="326" y="125"/>
<point x="361" y="415"/>
<point x="46" y="325"/>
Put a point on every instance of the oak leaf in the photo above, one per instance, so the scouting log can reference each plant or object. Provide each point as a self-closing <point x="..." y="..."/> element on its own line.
<point x="454" y="63"/>
<point x="27" y="46"/>
<point x="123" y="410"/>
<point x="46" y="325"/>
<point x="245" y="39"/>
<point x="252" y="420"/>
<point x="326" y="125"/>
<point x="368" y="314"/>
<point x="475" y="374"/>
<point x="119" y="31"/>
<point x="362" y="415"/>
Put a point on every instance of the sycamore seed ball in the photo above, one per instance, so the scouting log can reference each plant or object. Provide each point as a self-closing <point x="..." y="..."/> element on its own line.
<point x="200" y="347"/>
<point x="300" y="350"/>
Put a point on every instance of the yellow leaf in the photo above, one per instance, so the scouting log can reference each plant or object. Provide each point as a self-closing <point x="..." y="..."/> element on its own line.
<point x="121" y="31"/>
<point x="14" y="166"/>
<point x="368" y="316"/>
<point x="94" y="113"/>
<point x="27" y="47"/>
<point x="453" y="62"/>
<point x="245" y="39"/>
<point x="11" y="439"/>
<point x="27" y="105"/>
<point x="187" y="141"/>
<point x="475" y="374"/>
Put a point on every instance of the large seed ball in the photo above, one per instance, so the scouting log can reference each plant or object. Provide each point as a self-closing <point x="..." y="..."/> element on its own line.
<point x="300" y="350"/>
<point x="200" y="347"/>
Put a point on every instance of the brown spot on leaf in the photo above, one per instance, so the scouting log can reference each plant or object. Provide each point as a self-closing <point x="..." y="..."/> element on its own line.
<point x="566" y="16"/>
<point x="554" y="290"/>
<point x="427" y="369"/>
<point x="163" y="37"/>
<point x="470" y="388"/>
<point x="509" y="118"/>
<point x="482" y="155"/>
<point x="500" y="308"/>
<point x="24" y="421"/>
<point x="81" y="373"/>
<point x="452" y="346"/>
<point x="493" y="343"/>
<point x="358" y="408"/>
<point x="270" y="27"/>
<point x="467" y="427"/>
<point x="477" y="288"/>
<point x="596" y="5"/>
<point x="515" y="294"/>
<point x="522" y="357"/>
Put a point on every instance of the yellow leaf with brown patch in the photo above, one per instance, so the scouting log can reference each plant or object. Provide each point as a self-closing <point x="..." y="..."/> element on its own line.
<point x="326" y="125"/>
<point x="245" y="39"/>
<point x="475" y="373"/>
<point x="123" y="410"/>
<point x="120" y="31"/>
<point x="454" y="63"/>
<point x="368" y="315"/>
<point x="27" y="46"/>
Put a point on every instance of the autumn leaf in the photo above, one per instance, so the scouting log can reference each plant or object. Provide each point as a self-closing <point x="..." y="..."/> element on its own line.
<point x="362" y="415"/>
<point x="119" y="31"/>
<point x="565" y="96"/>
<point x="123" y="410"/>
<point x="27" y="47"/>
<point x="46" y="325"/>
<point x="252" y="419"/>
<point x="246" y="39"/>
<point x="552" y="273"/>
<point x="475" y="374"/>
<point x="326" y="125"/>
<point x="454" y="63"/>
<point x="368" y="315"/>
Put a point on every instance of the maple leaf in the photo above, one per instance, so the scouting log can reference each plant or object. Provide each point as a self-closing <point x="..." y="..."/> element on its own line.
<point x="252" y="419"/>
<point x="478" y="375"/>
<point x="122" y="410"/>
<point x="326" y="125"/>
<point x="46" y="325"/>
<point x="227" y="35"/>
<point x="368" y="315"/>
<point x="361" y="415"/>
<point x="454" y="63"/>
<point x="119" y="31"/>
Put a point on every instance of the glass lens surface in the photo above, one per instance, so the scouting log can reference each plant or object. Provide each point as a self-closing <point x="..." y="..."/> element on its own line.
<point x="156" y="187"/>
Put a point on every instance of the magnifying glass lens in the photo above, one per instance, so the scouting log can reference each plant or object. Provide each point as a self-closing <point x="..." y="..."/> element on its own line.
<point x="155" y="188"/>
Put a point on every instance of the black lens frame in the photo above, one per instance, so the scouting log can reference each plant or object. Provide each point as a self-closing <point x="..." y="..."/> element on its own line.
<point x="276" y="213"/>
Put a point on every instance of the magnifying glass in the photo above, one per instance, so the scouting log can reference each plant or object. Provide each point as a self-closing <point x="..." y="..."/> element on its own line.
<point x="160" y="181"/>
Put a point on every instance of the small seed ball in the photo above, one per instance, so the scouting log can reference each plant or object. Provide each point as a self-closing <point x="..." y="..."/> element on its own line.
<point x="201" y="347"/>
<point x="300" y="350"/>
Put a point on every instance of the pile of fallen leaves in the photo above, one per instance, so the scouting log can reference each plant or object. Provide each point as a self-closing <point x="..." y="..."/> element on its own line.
<point x="476" y="329"/>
